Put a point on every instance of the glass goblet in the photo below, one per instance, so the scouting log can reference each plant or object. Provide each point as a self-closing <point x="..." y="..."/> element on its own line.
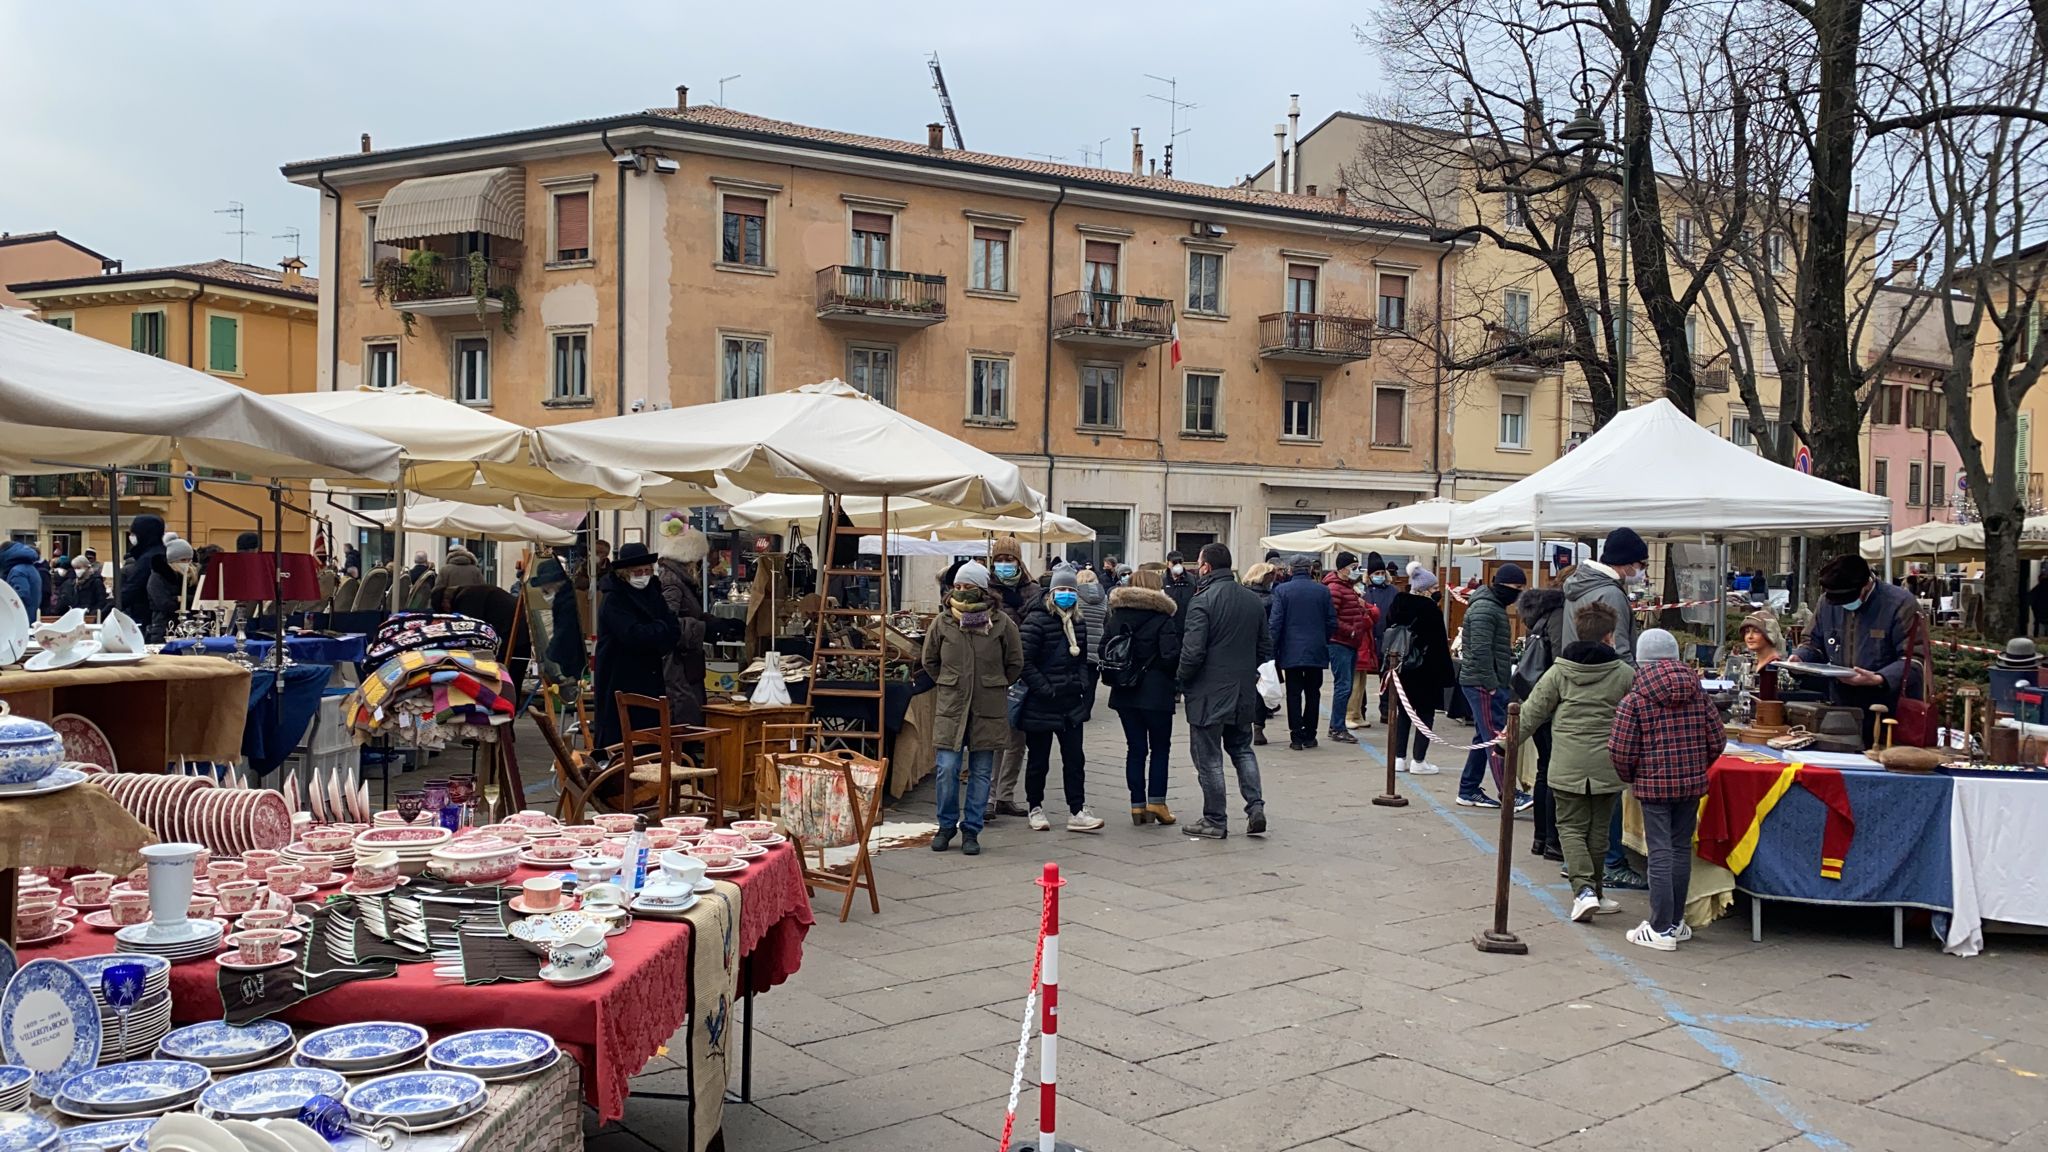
<point x="437" y="795"/>
<point x="410" y="803"/>
<point x="121" y="985"/>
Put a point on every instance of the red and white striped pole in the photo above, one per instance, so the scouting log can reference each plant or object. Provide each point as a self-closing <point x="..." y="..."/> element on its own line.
<point x="1049" y="1012"/>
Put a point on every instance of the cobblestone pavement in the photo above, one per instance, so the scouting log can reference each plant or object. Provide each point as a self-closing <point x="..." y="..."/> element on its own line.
<point x="1317" y="989"/>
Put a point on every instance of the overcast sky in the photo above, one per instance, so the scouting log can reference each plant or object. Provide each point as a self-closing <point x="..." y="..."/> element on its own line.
<point x="127" y="125"/>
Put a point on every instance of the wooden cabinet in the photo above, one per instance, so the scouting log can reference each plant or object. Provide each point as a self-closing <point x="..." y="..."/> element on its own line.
<point x="736" y="751"/>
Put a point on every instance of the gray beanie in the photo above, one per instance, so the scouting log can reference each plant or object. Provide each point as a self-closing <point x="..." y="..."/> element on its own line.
<point x="1063" y="577"/>
<point x="1656" y="644"/>
<point x="973" y="572"/>
<point x="177" y="550"/>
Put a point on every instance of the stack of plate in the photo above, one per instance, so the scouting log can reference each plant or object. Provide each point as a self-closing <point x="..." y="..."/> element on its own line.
<point x="270" y="1093"/>
<point x="413" y="845"/>
<point x="417" y="1101"/>
<point x="106" y="1135"/>
<point x="229" y="821"/>
<point x="156" y="977"/>
<point x="362" y="1049"/>
<point x="153" y="797"/>
<point x="138" y="1088"/>
<point x="14" y="1081"/>
<point x="296" y="852"/>
<point x="494" y="1054"/>
<point x="146" y="1025"/>
<point x="223" y="1047"/>
<point x="25" y="1130"/>
<point x="190" y="940"/>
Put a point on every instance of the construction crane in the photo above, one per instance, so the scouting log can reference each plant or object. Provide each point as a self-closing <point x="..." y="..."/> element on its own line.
<point x="945" y="101"/>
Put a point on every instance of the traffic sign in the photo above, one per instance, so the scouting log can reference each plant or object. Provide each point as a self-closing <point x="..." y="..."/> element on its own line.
<point x="191" y="481"/>
<point x="1803" y="460"/>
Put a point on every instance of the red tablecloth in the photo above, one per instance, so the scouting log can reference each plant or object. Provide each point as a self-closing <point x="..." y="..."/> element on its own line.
<point x="612" y="1025"/>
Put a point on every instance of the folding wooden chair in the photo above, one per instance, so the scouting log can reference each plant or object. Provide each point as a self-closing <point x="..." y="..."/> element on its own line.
<point x="576" y="780"/>
<point x="762" y="798"/>
<point x="863" y="818"/>
<point x="668" y="777"/>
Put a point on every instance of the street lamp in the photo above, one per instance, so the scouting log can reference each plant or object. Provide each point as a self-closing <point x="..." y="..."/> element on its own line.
<point x="1585" y="128"/>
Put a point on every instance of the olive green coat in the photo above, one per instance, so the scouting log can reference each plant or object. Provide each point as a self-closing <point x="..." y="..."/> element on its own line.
<point x="973" y="671"/>
<point x="1577" y="698"/>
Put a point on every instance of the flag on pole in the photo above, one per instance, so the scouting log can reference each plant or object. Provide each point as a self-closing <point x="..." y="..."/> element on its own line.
<point x="1176" y="345"/>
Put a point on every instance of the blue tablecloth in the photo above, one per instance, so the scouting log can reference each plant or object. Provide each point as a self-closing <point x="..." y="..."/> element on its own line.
<point x="346" y="649"/>
<point x="1899" y="855"/>
<point x="277" y="719"/>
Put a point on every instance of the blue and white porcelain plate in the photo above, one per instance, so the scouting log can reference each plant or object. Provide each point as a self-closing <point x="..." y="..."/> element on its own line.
<point x="136" y="1085"/>
<point x="156" y="970"/>
<point x="25" y="1132"/>
<point x="218" y="1042"/>
<point x="13" y="1078"/>
<point x="355" y="1045"/>
<point x="50" y="1023"/>
<point x="271" y="1092"/>
<point x="489" y="1050"/>
<point x="416" y="1097"/>
<point x="105" y="1136"/>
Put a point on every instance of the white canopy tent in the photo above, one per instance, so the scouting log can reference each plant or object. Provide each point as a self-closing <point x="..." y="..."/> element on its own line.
<point x="1049" y="528"/>
<point x="1426" y="520"/>
<point x="450" y="518"/>
<point x="774" y="511"/>
<point x="901" y="545"/>
<point x="1321" y="541"/>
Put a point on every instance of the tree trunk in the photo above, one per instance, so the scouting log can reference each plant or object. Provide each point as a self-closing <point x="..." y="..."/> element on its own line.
<point x="1834" y="417"/>
<point x="2003" y="590"/>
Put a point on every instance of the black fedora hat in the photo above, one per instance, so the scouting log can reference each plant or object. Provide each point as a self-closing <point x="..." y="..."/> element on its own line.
<point x="632" y="554"/>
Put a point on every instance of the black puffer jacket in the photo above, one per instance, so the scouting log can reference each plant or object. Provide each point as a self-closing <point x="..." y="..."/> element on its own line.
<point x="1151" y="620"/>
<point x="144" y="557"/>
<point x="1055" y="671"/>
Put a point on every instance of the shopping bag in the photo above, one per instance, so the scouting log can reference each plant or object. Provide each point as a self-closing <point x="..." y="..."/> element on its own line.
<point x="1270" y="689"/>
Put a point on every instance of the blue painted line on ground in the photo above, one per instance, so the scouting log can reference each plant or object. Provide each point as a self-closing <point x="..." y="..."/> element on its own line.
<point x="1787" y="1022"/>
<point x="1715" y="1045"/>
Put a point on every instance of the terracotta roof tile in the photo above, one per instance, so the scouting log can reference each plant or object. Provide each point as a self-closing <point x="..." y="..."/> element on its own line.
<point x="229" y="273"/>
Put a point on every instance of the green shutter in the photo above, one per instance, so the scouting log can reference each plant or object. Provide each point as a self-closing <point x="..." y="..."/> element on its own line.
<point x="63" y="322"/>
<point x="220" y="344"/>
<point x="135" y="332"/>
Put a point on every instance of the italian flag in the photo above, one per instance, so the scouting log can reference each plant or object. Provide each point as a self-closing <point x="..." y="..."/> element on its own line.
<point x="1176" y="345"/>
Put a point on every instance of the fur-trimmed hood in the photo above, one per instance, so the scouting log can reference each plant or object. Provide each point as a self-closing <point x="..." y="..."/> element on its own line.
<point x="684" y="544"/>
<point x="1142" y="599"/>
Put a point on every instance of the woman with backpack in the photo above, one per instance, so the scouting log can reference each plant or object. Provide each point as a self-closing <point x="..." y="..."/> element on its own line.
<point x="1542" y="611"/>
<point x="1139" y="653"/>
<point x="1417" y="649"/>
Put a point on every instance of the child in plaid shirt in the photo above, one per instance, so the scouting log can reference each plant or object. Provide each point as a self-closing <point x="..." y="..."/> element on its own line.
<point x="1666" y="733"/>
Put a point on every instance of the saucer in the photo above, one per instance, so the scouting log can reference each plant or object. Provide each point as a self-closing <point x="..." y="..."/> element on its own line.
<point x="58" y="932"/>
<point x="233" y="962"/>
<point x="58" y="780"/>
<point x="51" y="659"/>
<point x="105" y="920"/>
<point x="304" y="891"/>
<point x="88" y="907"/>
<point x="727" y="869"/>
<point x="350" y="888"/>
<point x="518" y="904"/>
<point x="603" y="966"/>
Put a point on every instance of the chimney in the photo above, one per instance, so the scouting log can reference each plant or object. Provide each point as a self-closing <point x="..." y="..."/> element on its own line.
<point x="1468" y="116"/>
<point x="682" y="97"/>
<point x="366" y="141"/>
<point x="1153" y="165"/>
<point x="291" y="278"/>
<point x="1137" y="155"/>
<point x="1532" y="123"/>
<point x="1294" y="142"/>
<point x="1279" y="157"/>
<point x="935" y="137"/>
<point x="1311" y="189"/>
<point x="1343" y="194"/>
<point x="1906" y="270"/>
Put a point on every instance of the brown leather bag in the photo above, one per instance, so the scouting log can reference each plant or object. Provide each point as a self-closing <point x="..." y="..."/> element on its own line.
<point x="1918" y="721"/>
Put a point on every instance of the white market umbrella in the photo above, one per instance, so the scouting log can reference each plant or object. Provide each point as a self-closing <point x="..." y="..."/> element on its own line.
<point x="1320" y="541"/>
<point x="778" y="510"/>
<point x="1051" y="528"/>
<point x="1425" y="520"/>
<point x="1956" y="541"/>
<point x="901" y="545"/>
<point x="824" y="437"/>
<point x="468" y="521"/>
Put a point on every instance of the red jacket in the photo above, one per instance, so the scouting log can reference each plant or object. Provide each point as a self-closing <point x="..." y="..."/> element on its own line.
<point x="1666" y="733"/>
<point x="1352" y="618"/>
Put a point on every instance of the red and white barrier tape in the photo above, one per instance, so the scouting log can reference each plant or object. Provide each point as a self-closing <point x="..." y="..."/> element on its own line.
<point x="1434" y="739"/>
<point x="1045" y="972"/>
<point x="1959" y="646"/>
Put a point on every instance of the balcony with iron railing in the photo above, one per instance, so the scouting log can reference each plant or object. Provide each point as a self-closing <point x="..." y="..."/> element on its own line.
<point x="1516" y="354"/>
<point x="851" y="294"/>
<point x="87" y="489"/>
<point x="1709" y="375"/>
<point x="1111" y="320"/>
<point x="1315" y="337"/>
<point x="431" y="283"/>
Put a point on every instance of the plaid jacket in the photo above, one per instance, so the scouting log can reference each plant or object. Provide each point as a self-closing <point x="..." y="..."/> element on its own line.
<point x="1666" y="733"/>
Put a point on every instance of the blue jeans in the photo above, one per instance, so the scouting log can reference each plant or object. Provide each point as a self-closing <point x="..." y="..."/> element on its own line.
<point x="1616" y="857"/>
<point x="1210" y="744"/>
<point x="1342" y="660"/>
<point x="981" y="768"/>
<point x="1489" y="716"/>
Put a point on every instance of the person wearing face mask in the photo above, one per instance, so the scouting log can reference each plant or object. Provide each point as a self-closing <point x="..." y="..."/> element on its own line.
<point x="1624" y="559"/>
<point x="1484" y="676"/>
<point x="1017" y="596"/>
<point x="167" y="589"/>
<point x="1349" y="646"/>
<point x="1179" y="584"/>
<point x="1862" y="623"/>
<point x="972" y="654"/>
<point x="145" y="555"/>
<point x="635" y="634"/>
<point x="1055" y="649"/>
<point x="88" y="587"/>
<point x="1378" y="593"/>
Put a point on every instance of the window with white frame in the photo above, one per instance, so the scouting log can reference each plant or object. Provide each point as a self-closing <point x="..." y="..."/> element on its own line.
<point x="1739" y="430"/>
<point x="1582" y="417"/>
<point x="1913" y="480"/>
<point x="224" y="343"/>
<point x="1301" y="409"/>
<point x="1514" y="210"/>
<point x="1514" y="311"/>
<point x="988" y="264"/>
<point x="1205" y="282"/>
<point x="1881" y="477"/>
<point x="1393" y="301"/>
<point x="148" y="332"/>
<point x="870" y="242"/>
<point x="380" y="363"/>
<point x="988" y="388"/>
<point x="1745" y="354"/>
<point x="743" y="230"/>
<point x="1201" y="409"/>
<point x="1389" y="416"/>
<point x="569" y="225"/>
<point x="1514" y="421"/>
<point x="1692" y="335"/>
<point x="65" y="320"/>
<point x="1101" y="396"/>
<point x="472" y="365"/>
<point x="871" y="369"/>
<point x="1937" y="486"/>
<point x="742" y="367"/>
<point x="1681" y="235"/>
<point x="569" y="382"/>
<point x="375" y="253"/>
<point x="1774" y="249"/>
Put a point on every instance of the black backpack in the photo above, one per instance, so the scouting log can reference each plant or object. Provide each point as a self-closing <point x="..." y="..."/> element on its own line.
<point x="1531" y="665"/>
<point x="1120" y="668"/>
<point x="1399" y="651"/>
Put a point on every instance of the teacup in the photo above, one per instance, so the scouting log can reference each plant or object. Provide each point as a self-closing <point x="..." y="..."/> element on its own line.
<point x="284" y="879"/>
<point x="660" y="839"/>
<point x="225" y="872"/>
<point x="665" y="893"/>
<point x="377" y="870"/>
<point x="573" y="958"/>
<point x="138" y="877"/>
<point x="265" y="918"/>
<point x="542" y="893"/>
<point x="201" y="861"/>
<point x="687" y="825"/>
<point x="725" y="836"/>
<point x="236" y="896"/>
<point x="38" y="898"/>
<point x="31" y="923"/>
<point x="91" y="887"/>
<point x="129" y="907"/>
<point x="201" y="907"/>
<point x="754" y="829"/>
<point x="261" y="860"/>
<point x="614" y="823"/>
<point x="258" y="945"/>
<point x="317" y="870"/>
<point x="559" y="848"/>
<point x="594" y="869"/>
<point x="683" y="868"/>
<point x="713" y="855"/>
<point x="329" y="838"/>
<point x="604" y="894"/>
<point x="587" y="835"/>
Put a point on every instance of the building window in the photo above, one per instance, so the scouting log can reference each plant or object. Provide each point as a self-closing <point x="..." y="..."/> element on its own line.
<point x="1300" y="409"/>
<point x="1681" y="235"/>
<point x="64" y="320"/>
<point x="988" y="388"/>
<point x="1205" y="282"/>
<point x="1913" y="484"/>
<point x="1692" y="335"/>
<point x="871" y="235"/>
<point x="1301" y="287"/>
<point x="571" y="227"/>
<point x="473" y="370"/>
<point x="1881" y="477"/>
<point x="1774" y="248"/>
<point x="1514" y="311"/>
<point x="1740" y="432"/>
<point x="1100" y="259"/>
<point x="1389" y="416"/>
<point x="1925" y="410"/>
<point x="743" y="367"/>
<point x="1101" y="396"/>
<point x="1514" y="421"/>
<point x="1745" y="354"/>
<point x="570" y="380"/>
<point x="1201" y="413"/>
<point x="375" y="253"/>
<point x="871" y="368"/>
<point x="1937" y="488"/>
<point x="1393" y="315"/>
<point x="1111" y="525"/>
<point x="1514" y="210"/>
<point x="744" y="238"/>
<point x="1582" y="418"/>
<point x="988" y="267"/>
<point x="148" y="334"/>
<point x="1888" y="408"/>
<point x="380" y="363"/>
<point x="223" y="344"/>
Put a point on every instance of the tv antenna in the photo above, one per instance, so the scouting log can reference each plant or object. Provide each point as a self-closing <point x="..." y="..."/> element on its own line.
<point x="1174" y="107"/>
<point x="1096" y="152"/>
<point x="721" y="87"/>
<point x="945" y="100"/>
<point x="240" y="232"/>
<point x="291" y="234"/>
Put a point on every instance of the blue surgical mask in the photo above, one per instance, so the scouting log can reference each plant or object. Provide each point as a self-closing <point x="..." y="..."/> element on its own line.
<point x="1006" y="570"/>
<point x="1379" y="578"/>
<point x="1065" y="598"/>
<point x="1853" y="605"/>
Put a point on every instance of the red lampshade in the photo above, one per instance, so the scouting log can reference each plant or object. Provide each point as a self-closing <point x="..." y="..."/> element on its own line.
<point x="249" y="576"/>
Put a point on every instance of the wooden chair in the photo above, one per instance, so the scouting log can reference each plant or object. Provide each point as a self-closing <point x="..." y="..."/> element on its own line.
<point x="667" y="777"/>
<point x="860" y="874"/>
<point x="576" y="779"/>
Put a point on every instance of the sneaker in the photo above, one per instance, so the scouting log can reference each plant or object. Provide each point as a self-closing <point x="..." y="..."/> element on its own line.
<point x="1359" y="724"/>
<point x="1255" y="824"/>
<point x="1400" y="763"/>
<point x="1624" y="878"/>
<point x="1084" y="821"/>
<point x="1682" y="933"/>
<point x="942" y="840"/>
<point x="1478" y="800"/>
<point x="1584" y="905"/>
<point x="1038" y="821"/>
<point x="1422" y="768"/>
<point x="1645" y="936"/>
<point x="1340" y="736"/>
<point x="1205" y="830"/>
<point x="1524" y="801"/>
<point x="1608" y="907"/>
<point x="1011" y="808"/>
<point x="970" y="846"/>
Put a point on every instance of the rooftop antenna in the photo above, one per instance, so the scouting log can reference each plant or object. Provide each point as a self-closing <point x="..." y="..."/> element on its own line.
<point x="945" y="101"/>
<point x="1175" y="106"/>
<point x="1097" y="152"/>
<point x="291" y="234"/>
<point x="239" y="232"/>
<point x="1055" y="157"/>
<point x="721" y="87"/>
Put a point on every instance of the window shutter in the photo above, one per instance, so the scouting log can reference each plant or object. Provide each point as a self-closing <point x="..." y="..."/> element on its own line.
<point x="220" y="343"/>
<point x="982" y="232"/>
<point x="572" y="221"/>
<point x="135" y="332"/>
<point x="1302" y="272"/>
<point x="873" y="222"/>
<point x="1394" y="287"/>
<point x="1386" y="417"/>
<point x="748" y="206"/>
<point x="1102" y="251"/>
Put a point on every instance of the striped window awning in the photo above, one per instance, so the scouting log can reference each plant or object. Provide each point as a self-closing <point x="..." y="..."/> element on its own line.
<point x="490" y="200"/>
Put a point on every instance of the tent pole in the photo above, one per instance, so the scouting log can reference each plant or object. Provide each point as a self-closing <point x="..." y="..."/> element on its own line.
<point x="397" y="535"/>
<point x="1798" y="596"/>
<point x="115" y="540"/>
<point x="1887" y="553"/>
<point x="1721" y="611"/>
<point x="1536" y="555"/>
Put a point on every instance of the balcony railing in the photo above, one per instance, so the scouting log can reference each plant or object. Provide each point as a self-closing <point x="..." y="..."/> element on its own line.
<point x="86" y="487"/>
<point x="880" y="296"/>
<point x="1111" y="319"/>
<point x="1523" y="355"/>
<point x="437" y="284"/>
<point x="1314" y="336"/>
<point x="1709" y="377"/>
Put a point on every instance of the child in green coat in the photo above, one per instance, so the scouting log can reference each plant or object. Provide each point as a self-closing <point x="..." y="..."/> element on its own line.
<point x="1577" y="697"/>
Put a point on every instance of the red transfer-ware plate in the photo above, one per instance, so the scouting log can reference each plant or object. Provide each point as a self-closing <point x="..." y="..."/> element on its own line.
<point x="84" y="741"/>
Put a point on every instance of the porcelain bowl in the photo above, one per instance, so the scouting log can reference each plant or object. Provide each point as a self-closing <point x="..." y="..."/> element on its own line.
<point x="754" y="829"/>
<point x="472" y="862"/>
<point x="29" y="750"/>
